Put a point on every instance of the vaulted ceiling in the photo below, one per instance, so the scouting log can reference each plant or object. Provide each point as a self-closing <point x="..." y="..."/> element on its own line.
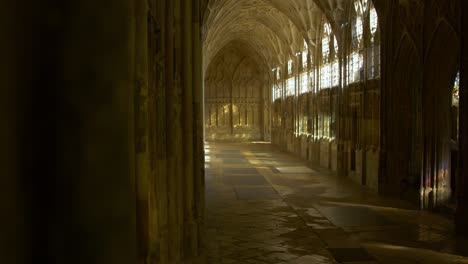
<point x="275" y="29"/>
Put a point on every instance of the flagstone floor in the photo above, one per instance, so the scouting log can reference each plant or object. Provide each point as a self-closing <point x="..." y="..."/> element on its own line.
<point x="267" y="206"/>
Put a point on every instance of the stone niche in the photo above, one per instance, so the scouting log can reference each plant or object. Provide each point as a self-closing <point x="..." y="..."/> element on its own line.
<point x="234" y="97"/>
<point x="372" y="172"/>
<point x="325" y="153"/>
<point x="370" y="168"/>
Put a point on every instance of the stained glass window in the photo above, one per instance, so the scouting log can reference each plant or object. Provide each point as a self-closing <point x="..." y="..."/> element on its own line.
<point x="325" y="69"/>
<point x="358" y="23"/>
<point x="335" y="73"/>
<point x="305" y="53"/>
<point x="290" y="86"/>
<point x="355" y="64"/>
<point x="304" y="82"/>
<point x="373" y="51"/>
<point x="290" y="66"/>
<point x="326" y="42"/>
<point x="325" y="48"/>
<point x="325" y="76"/>
<point x="456" y="90"/>
<point x="373" y="20"/>
<point x="335" y="46"/>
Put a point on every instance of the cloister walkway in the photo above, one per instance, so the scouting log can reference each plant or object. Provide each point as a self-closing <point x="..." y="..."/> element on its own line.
<point x="267" y="206"/>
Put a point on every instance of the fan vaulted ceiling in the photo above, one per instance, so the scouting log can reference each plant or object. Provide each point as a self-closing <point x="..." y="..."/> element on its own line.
<point x="275" y="29"/>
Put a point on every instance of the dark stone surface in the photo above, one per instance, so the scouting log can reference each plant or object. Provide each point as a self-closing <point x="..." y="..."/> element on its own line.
<point x="260" y="193"/>
<point x="229" y="156"/>
<point x="242" y="180"/>
<point x="241" y="171"/>
<point x="235" y="161"/>
<point x="353" y="216"/>
<point x="350" y="254"/>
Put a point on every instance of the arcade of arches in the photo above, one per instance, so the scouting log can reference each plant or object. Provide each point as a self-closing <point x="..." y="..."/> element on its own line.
<point x="125" y="125"/>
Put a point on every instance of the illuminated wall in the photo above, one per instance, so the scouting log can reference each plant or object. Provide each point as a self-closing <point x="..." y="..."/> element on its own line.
<point x="234" y="95"/>
<point x="337" y="64"/>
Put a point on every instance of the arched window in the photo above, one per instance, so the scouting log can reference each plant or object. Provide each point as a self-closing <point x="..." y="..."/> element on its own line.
<point x="455" y="118"/>
<point x="456" y="90"/>
<point x="356" y="58"/>
<point x="305" y="54"/>
<point x="304" y="82"/>
<point x="290" y="67"/>
<point x="325" y="69"/>
<point x="373" y="21"/>
<point x="291" y="81"/>
<point x="276" y="88"/>
<point x="373" y="44"/>
<point x="291" y="86"/>
<point x="335" y="64"/>
<point x="304" y="78"/>
<point x="326" y="42"/>
<point x="365" y="42"/>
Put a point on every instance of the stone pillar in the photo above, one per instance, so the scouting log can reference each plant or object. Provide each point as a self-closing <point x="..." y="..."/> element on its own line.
<point x="96" y="216"/>
<point x="12" y="85"/>
<point x="87" y="188"/>
<point x="198" y="209"/>
<point x="461" y="216"/>
<point x="170" y="232"/>
<point x="340" y="127"/>
<point x="142" y="159"/>
<point x="66" y="133"/>
<point x="76" y="134"/>
<point x="178" y="177"/>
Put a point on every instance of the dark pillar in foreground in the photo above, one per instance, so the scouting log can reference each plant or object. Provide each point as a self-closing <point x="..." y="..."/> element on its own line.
<point x="461" y="217"/>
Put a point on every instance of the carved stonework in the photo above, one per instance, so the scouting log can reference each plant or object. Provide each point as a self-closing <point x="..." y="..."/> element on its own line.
<point x="234" y="86"/>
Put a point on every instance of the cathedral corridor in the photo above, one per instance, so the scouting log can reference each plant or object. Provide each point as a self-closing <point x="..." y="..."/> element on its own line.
<point x="267" y="206"/>
<point x="234" y="131"/>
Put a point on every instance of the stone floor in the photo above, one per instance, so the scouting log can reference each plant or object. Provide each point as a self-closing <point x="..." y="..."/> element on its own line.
<point x="266" y="206"/>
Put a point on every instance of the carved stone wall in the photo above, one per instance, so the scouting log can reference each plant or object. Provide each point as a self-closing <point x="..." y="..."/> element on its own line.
<point x="339" y="120"/>
<point x="391" y="131"/>
<point x="461" y="216"/>
<point x="234" y="91"/>
<point x="420" y="38"/>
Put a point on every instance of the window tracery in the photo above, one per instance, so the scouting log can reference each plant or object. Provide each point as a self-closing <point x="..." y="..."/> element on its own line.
<point x="305" y="53"/>
<point x="276" y="87"/>
<point x="326" y="68"/>
<point x="456" y="90"/>
<point x="290" y="67"/>
<point x="374" y="46"/>
<point x="290" y="86"/>
<point x="365" y="45"/>
<point x="373" y="20"/>
<point x="304" y="82"/>
<point x="355" y="59"/>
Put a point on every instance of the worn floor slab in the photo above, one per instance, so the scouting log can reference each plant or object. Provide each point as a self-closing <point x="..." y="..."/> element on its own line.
<point x="267" y="206"/>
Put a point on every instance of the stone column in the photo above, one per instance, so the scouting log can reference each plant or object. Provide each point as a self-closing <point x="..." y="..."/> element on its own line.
<point x="461" y="216"/>
<point x="198" y="209"/>
<point x="178" y="180"/>
<point x="340" y="127"/>
<point x="93" y="125"/>
<point x="68" y="116"/>
<point x="142" y="159"/>
<point x="12" y="85"/>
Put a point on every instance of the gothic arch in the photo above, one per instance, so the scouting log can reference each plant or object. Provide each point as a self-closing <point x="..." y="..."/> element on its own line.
<point x="442" y="53"/>
<point x="399" y="135"/>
